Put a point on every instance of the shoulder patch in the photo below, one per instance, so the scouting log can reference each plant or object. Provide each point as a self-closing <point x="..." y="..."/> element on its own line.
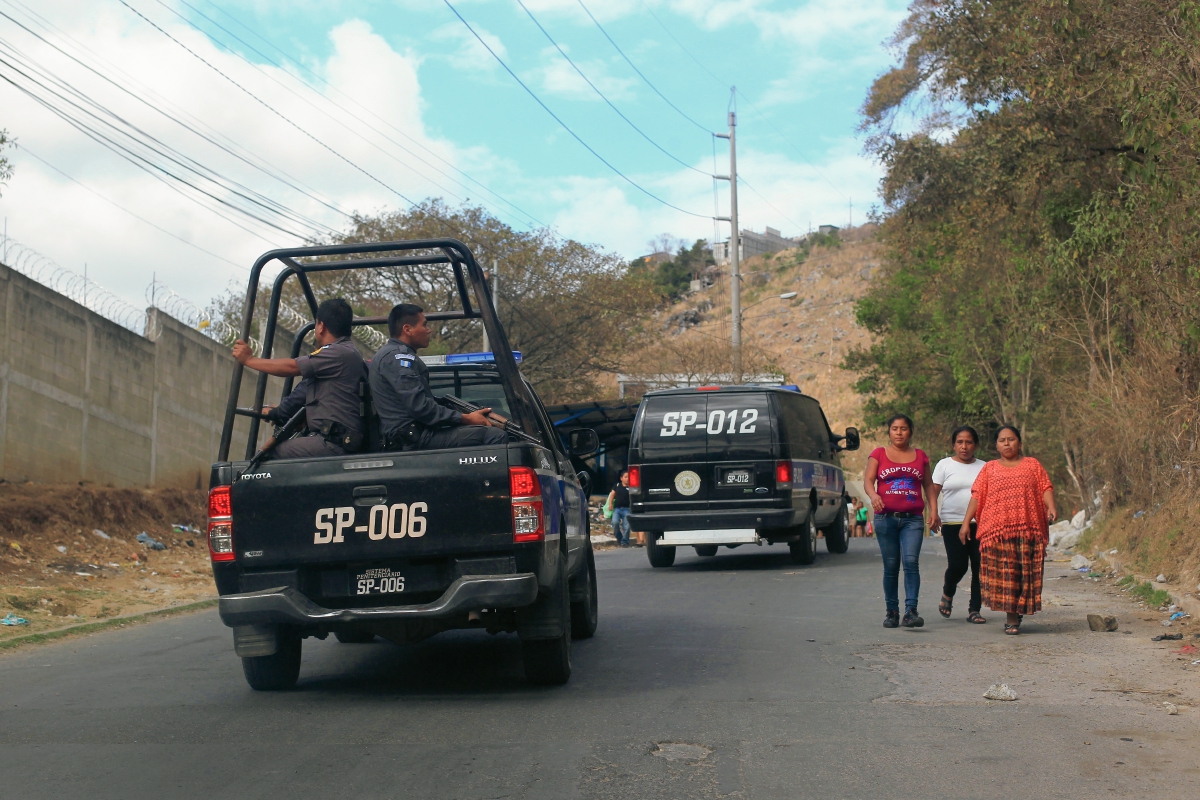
<point x="405" y="359"/>
<point x="319" y="349"/>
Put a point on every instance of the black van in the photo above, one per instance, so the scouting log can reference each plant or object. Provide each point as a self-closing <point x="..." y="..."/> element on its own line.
<point x="734" y="465"/>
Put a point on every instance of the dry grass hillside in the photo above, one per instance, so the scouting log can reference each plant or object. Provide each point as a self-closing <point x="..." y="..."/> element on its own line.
<point x="805" y="338"/>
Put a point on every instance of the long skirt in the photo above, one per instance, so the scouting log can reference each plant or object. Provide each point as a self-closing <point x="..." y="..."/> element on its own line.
<point x="1011" y="575"/>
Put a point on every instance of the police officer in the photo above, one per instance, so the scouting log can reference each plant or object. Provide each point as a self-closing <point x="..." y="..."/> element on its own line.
<point x="409" y="415"/>
<point x="329" y="390"/>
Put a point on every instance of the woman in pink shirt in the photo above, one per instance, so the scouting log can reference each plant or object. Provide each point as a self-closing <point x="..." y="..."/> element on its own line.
<point x="895" y="478"/>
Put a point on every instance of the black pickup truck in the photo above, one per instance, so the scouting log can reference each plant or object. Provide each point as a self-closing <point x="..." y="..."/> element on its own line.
<point x="403" y="545"/>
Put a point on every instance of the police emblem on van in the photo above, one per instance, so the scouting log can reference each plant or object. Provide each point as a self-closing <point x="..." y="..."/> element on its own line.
<point x="687" y="483"/>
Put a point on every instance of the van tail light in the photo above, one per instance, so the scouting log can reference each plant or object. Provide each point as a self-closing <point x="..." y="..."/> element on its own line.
<point x="220" y="524"/>
<point x="635" y="477"/>
<point x="783" y="474"/>
<point x="528" y="522"/>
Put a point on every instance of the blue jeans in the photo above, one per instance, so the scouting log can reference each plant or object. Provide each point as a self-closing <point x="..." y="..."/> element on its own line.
<point x="900" y="541"/>
<point x="620" y="523"/>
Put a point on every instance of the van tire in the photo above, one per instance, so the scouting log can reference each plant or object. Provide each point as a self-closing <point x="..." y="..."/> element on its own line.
<point x="585" y="612"/>
<point x="548" y="661"/>
<point x="659" y="555"/>
<point x="837" y="535"/>
<point x="804" y="550"/>
<point x="278" y="671"/>
<point x="706" y="550"/>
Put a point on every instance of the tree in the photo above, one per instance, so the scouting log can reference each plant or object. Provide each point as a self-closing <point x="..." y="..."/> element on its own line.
<point x="674" y="277"/>
<point x="6" y="169"/>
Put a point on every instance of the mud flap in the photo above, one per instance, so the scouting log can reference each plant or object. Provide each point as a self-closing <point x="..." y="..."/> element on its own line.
<point x="549" y="617"/>
<point x="253" y="641"/>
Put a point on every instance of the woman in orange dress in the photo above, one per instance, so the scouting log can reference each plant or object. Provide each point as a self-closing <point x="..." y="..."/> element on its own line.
<point x="1012" y="502"/>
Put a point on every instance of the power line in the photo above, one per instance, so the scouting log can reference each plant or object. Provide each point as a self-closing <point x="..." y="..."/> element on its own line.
<point x="638" y="71"/>
<point x="564" y="125"/>
<point x="588" y="80"/>
<point x="301" y="65"/>
<point x="743" y="181"/>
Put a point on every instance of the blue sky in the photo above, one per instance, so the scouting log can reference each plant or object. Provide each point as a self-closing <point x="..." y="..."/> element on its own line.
<point x="436" y="107"/>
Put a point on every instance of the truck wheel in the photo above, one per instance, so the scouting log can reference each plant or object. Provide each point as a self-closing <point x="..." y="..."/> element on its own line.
<point x="276" y="672"/>
<point x="548" y="661"/>
<point x="585" y="613"/>
<point x="804" y="551"/>
<point x="706" y="550"/>
<point x="354" y="637"/>
<point x="837" y="535"/>
<point x="659" y="555"/>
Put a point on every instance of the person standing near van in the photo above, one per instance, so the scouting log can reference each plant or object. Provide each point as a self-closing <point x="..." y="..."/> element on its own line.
<point x="1013" y="502"/>
<point x="618" y="499"/>
<point x="952" y="481"/>
<point x="894" y="480"/>
<point x="860" y="518"/>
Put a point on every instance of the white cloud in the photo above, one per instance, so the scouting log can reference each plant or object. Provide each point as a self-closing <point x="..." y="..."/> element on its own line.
<point x="558" y="77"/>
<point x="471" y="54"/>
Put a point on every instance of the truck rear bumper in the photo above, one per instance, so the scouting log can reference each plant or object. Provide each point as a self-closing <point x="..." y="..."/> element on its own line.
<point x="287" y="606"/>
<point x="712" y="520"/>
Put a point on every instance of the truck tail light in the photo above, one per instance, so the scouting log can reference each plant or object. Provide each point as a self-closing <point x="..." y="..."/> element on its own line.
<point x="783" y="474"/>
<point x="220" y="524"/>
<point x="528" y="523"/>
<point x="635" y="477"/>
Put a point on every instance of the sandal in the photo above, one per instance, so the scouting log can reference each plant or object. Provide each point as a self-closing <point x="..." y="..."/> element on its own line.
<point x="946" y="606"/>
<point x="1012" y="630"/>
<point x="975" y="618"/>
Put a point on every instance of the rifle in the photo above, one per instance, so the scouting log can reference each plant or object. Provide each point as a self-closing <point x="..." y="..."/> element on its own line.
<point x="284" y="433"/>
<point x="507" y="425"/>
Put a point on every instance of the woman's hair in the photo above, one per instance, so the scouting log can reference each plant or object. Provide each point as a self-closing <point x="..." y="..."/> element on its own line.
<point x="907" y="420"/>
<point x="1003" y="428"/>
<point x="964" y="429"/>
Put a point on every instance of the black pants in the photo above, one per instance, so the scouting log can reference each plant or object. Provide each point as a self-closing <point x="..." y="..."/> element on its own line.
<point x="461" y="436"/>
<point x="958" y="556"/>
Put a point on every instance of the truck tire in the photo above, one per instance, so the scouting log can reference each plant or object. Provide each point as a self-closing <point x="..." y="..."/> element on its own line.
<point x="548" y="661"/>
<point x="275" y="673"/>
<point x="354" y="637"/>
<point x="837" y="535"/>
<point x="804" y="551"/>
<point x="659" y="555"/>
<point x="585" y="612"/>
<point x="706" y="550"/>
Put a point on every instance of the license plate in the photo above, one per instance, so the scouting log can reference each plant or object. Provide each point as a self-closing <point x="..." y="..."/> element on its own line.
<point x="738" y="477"/>
<point x="379" y="581"/>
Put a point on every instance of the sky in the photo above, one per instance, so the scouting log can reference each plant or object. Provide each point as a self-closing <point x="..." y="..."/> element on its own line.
<point x="304" y="113"/>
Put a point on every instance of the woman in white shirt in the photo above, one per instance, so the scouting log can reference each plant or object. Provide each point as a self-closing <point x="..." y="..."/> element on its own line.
<point x="952" y="481"/>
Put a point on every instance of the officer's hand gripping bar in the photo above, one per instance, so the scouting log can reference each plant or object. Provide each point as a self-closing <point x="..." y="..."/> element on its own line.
<point x="508" y="426"/>
<point x="285" y="433"/>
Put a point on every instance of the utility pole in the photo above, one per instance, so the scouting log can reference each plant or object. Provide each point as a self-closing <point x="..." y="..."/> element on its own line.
<point x="735" y="280"/>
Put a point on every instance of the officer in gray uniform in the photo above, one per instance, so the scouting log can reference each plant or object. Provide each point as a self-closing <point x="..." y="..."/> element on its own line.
<point x="329" y="391"/>
<point x="409" y="415"/>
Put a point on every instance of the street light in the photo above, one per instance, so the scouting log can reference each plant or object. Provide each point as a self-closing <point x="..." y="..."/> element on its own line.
<point x="784" y="296"/>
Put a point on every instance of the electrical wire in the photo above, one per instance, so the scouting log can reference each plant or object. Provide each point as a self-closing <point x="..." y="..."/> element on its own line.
<point x="638" y="71"/>
<point x="565" y="127"/>
<point x="745" y="183"/>
<point x="596" y="89"/>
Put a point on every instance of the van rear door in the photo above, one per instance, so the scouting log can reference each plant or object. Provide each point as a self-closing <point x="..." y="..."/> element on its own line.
<point x="673" y="441"/>
<point x="741" y="450"/>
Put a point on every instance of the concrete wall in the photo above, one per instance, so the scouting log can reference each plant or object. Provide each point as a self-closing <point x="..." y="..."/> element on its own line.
<point x="84" y="399"/>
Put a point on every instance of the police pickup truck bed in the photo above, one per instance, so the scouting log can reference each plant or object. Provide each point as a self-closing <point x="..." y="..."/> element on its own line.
<point x="404" y="545"/>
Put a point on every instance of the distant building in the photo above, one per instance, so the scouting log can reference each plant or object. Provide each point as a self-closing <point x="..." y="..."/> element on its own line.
<point x="826" y="230"/>
<point x="753" y="244"/>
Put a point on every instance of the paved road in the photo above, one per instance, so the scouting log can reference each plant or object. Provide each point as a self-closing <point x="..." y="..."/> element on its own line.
<point x="745" y="657"/>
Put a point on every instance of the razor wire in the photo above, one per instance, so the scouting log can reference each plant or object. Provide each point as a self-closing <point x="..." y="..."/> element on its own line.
<point x="167" y="300"/>
<point x="72" y="285"/>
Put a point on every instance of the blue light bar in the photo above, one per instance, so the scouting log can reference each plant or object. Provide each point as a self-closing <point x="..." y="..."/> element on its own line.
<point x="475" y="358"/>
<point x="791" y="387"/>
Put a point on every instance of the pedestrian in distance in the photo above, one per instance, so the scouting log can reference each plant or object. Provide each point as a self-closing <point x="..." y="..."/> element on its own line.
<point x="618" y="499"/>
<point x="895" y="478"/>
<point x="860" y="518"/>
<point x="1013" y="503"/>
<point x="953" y="478"/>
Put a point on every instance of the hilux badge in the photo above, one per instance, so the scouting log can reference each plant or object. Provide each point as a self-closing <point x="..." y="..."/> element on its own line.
<point x="687" y="483"/>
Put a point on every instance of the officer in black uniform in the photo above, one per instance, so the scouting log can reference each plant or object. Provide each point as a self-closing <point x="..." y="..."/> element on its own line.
<point x="329" y="391"/>
<point x="409" y="415"/>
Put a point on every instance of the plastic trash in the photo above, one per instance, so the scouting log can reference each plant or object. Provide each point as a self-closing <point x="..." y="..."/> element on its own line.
<point x="1139" y="515"/>
<point x="1180" y="615"/>
<point x="179" y="527"/>
<point x="60" y="548"/>
<point x="12" y="619"/>
<point x="100" y="533"/>
<point x="1167" y="637"/>
<point x="145" y="539"/>
<point x="1000" y="691"/>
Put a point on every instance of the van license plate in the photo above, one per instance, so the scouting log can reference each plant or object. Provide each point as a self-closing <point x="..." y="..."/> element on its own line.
<point x="379" y="581"/>
<point x="738" y="477"/>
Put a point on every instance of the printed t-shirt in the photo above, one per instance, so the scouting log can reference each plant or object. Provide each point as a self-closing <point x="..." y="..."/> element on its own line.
<point x="956" y="479"/>
<point x="900" y="484"/>
<point x="620" y="496"/>
<point x="1009" y="501"/>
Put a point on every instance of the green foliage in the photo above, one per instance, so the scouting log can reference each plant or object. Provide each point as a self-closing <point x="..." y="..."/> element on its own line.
<point x="672" y="278"/>
<point x="1152" y="597"/>
<point x="1041" y="231"/>
<point x="6" y="169"/>
<point x="1128" y="579"/>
